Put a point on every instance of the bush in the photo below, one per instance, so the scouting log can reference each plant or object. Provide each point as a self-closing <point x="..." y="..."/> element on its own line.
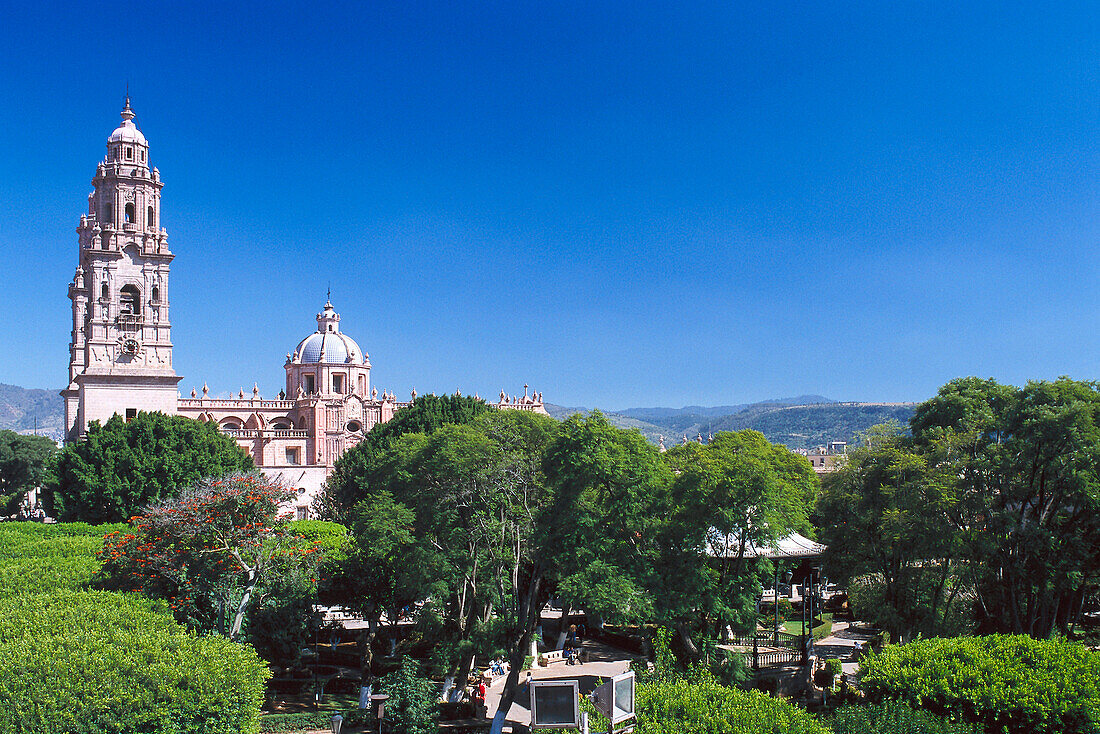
<point x="896" y="718"/>
<point x="96" y="661"/>
<point x="412" y="707"/>
<point x="706" y="707"/>
<point x="1004" y="682"/>
<point x="36" y="558"/>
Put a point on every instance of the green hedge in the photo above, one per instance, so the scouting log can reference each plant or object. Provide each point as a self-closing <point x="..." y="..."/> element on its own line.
<point x="710" y="708"/>
<point x="37" y="558"/>
<point x="97" y="662"/>
<point x="896" y="718"/>
<point x="1006" y="683"/>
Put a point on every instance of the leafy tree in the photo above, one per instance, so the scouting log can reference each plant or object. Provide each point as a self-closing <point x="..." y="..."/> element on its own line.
<point x="122" y="466"/>
<point x="411" y="708"/>
<point x="889" y="522"/>
<point x="215" y="553"/>
<point x="737" y="490"/>
<point x="26" y="462"/>
<point x="1027" y="463"/>
<point x="357" y="473"/>
<point x="610" y="490"/>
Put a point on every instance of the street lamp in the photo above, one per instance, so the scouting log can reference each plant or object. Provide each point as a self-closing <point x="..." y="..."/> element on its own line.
<point x="337" y="723"/>
<point x="380" y="699"/>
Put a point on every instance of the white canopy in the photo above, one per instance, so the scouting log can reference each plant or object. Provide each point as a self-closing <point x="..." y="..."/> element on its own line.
<point x="792" y="546"/>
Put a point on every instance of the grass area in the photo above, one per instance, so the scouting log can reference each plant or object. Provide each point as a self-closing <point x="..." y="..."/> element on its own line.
<point x="794" y="626"/>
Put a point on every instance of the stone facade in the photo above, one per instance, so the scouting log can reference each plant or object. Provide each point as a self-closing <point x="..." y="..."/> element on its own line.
<point x="121" y="351"/>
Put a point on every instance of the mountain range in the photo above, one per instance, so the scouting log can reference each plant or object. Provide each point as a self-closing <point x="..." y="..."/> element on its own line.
<point x="801" y="422"/>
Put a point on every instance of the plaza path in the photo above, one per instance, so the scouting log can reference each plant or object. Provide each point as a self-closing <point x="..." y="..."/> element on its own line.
<point x="603" y="662"/>
<point x="841" y="643"/>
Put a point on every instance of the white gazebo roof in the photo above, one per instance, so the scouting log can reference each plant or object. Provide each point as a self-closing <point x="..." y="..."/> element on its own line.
<point x="791" y="546"/>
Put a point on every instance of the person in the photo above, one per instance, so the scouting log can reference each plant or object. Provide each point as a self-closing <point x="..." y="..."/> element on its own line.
<point x="568" y="653"/>
<point x="479" y="698"/>
<point x="572" y="633"/>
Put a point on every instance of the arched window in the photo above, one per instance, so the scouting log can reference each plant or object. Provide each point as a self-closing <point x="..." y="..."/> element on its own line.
<point x="104" y="290"/>
<point x="130" y="300"/>
<point x="130" y="213"/>
<point x="155" y="294"/>
<point x="152" y="222"/>
<point x="302" y="423"/>
<point x="108" y="214"/>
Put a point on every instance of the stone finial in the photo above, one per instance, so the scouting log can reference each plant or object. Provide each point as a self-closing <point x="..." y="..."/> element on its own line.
<point x="240" y="395"/>
<point x="699" y="438"/>
<point x="458" y="393"/>
<point x="301" y="393"/>
<point x="288" y="356"/>
<point x="413" y="393"/>
<point x="477" y="396"/>
<point x="282" y="395"/>
<point x="205" y="389"/>
<point x="685" y="440"/>
<point x="193" y="393"/>
<point x="502" y="396"/>
<point x="374" y="393"/>
<point x="255" y="389"/>
<point x="525" y="391"/>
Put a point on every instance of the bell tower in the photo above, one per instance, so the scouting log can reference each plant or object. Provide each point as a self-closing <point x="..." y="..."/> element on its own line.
<point x="120" y="354"/>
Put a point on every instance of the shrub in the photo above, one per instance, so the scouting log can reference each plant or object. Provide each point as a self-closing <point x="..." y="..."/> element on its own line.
<point x="706" y="707"/>
<point x="896" y="718"/>
<point x="95" y="661"/>
<point x="36" y="558"/>
<point x="1004" y="682"/>
<point x="412" y="706"/>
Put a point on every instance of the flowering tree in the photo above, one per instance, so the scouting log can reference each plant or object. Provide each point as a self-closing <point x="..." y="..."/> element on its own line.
<point x="213" y="553"/>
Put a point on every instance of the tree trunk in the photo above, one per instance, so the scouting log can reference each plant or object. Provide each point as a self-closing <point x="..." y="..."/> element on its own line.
<point x="563" y="632"/>
<point x="238" y="618"/>
<point x="688" y="643"/>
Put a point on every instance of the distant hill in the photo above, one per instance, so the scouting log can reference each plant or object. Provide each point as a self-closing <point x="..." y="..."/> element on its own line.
<point x="798" y="423"/>
<point x="20" y="407"/>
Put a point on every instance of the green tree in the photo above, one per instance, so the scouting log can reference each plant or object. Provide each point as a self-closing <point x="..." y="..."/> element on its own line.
<point x="364" y="468"/>
<point x="1027" y="462"/>
<point x="26" y="462"/>
<point x="123" y="466"/>
<point x="610" y="495"/>
<point x="891" y="525"/>
<point x="215" y="554"/>
<point x="411" y="708"/>
<point x="736" y="491"/>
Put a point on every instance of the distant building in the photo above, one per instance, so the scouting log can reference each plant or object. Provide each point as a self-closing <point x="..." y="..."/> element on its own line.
<point x="120" y="355"/>
<point x="825" y="459"/>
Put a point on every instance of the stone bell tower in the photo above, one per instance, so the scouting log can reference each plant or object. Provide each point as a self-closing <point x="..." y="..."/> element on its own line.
<point x="120" y="355"/>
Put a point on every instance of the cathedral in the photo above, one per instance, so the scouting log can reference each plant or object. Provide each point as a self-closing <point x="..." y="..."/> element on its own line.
<point x="120" y="355"/>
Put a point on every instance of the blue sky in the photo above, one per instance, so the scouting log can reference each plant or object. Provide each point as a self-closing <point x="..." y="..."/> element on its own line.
<point x="623" y="204"/>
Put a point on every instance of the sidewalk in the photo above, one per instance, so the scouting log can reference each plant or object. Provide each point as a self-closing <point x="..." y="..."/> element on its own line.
<point x="841" y="643"/>
<point x="603" y="662"/>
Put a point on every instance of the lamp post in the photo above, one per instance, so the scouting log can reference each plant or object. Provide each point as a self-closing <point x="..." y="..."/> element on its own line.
<point x="337" y="723"/>
<point x="380" y="699"/>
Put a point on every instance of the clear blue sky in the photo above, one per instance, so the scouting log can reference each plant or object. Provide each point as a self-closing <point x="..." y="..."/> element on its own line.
<point x="623" y="204"/>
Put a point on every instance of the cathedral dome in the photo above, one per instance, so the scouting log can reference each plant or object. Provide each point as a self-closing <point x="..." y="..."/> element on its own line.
<point x="327" y="344"/>
<point x="127" y="132"/>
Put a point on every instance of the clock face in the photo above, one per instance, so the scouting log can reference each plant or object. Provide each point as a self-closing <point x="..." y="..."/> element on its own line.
<point x="130" y="346"/>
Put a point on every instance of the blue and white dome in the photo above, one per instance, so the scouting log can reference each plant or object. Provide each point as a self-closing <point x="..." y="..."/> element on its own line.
<point x="327" y="345"/>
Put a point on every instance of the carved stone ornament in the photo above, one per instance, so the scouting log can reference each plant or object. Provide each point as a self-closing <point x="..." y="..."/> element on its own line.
<point x="129" y="346"/>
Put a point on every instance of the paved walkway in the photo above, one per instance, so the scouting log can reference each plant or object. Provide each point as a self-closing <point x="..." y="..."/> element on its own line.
<point x="603" y="662"/>
<point x="841" y="643"/>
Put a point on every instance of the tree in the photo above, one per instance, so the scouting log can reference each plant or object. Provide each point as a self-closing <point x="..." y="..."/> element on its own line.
<point x="26" y="462"/>
<point x="1027" y="461"/>
<point x="123" y="466"/>
<point x="610" y="489"/>
<point x="738" y="490"/>
<point x="215" y="553"/>
<point x="889" y="521"/>
<point x="453" y="517"/>
<point x="362" y="469"/>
